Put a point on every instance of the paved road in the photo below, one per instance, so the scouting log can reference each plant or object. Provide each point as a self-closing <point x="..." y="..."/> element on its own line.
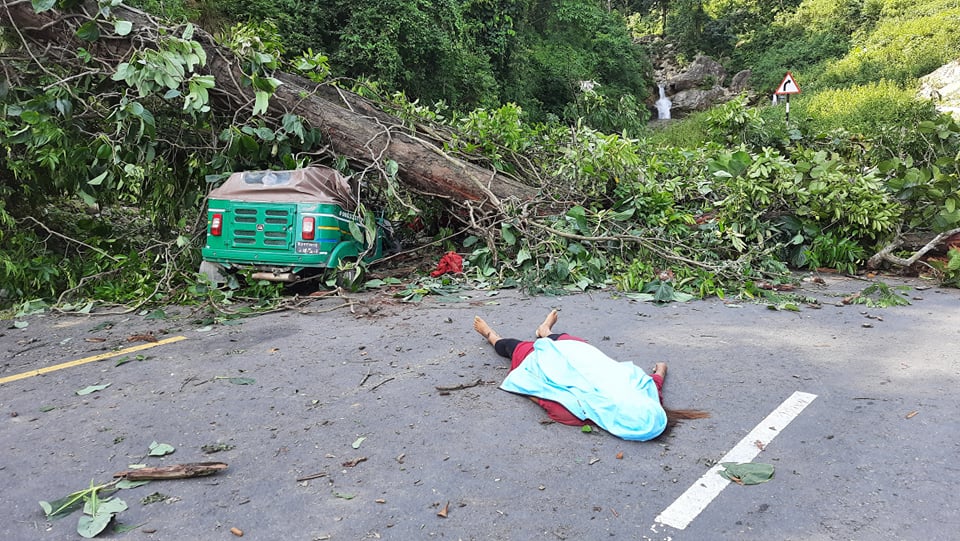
<point x="348" y="396"/>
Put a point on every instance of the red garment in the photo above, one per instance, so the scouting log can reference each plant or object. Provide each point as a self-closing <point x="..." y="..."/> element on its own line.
<point x="555" y="410"/>
<point x="450" y="262"/>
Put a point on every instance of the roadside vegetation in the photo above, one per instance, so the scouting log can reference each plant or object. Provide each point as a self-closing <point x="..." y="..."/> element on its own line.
<point x="107" y="167"/>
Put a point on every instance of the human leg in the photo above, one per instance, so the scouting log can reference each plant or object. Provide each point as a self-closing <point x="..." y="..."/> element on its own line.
<point x="546" y="328"/>
<point x="503" y="346"/>
<point x="658" y="375"/>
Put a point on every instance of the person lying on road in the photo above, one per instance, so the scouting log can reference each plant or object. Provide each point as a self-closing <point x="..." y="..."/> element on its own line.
<point x="578" y="384"/>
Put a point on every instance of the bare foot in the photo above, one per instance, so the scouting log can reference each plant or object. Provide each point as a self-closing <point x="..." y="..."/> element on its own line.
<point x="546" y="328"/>
<point x="485" y="331"/>
<point x="661" y="369"/>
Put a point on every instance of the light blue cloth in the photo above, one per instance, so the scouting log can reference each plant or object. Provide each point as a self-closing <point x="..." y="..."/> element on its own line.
<point x="618" y="396"/>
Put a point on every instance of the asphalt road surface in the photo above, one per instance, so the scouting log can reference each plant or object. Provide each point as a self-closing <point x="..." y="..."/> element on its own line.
<point x="375" y="419"/>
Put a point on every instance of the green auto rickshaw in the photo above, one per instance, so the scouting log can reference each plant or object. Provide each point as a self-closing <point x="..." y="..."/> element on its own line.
<point x="288" y="225"/>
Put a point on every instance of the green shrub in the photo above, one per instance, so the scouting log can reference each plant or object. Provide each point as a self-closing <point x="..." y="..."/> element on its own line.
<point x="862" y="109"/>
<point x="900" y="48"/>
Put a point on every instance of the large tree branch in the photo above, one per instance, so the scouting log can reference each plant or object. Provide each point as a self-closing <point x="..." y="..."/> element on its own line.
<point x="353" y="126"/>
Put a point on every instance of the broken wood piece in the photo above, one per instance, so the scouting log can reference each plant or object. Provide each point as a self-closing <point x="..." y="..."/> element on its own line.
<point x="175" y="471"/>
<point x="311" y="476"/>
<point x="459" y="387"/>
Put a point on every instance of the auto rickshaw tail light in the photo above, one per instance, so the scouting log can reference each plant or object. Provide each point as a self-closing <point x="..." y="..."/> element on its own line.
<point x="308" y="231"/>
<point x="216" y="225"/>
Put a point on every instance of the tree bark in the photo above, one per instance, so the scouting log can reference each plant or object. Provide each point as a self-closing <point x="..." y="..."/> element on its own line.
<point x="353" y="126"/>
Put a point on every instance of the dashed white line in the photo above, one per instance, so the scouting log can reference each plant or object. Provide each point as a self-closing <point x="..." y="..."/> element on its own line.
<point x="691" y="503"/>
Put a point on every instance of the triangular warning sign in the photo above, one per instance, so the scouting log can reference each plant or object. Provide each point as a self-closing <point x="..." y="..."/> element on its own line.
<point x="788" y="86"/>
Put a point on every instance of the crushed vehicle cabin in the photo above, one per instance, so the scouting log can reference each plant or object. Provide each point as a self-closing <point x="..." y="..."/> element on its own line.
<point x="289" y="225"/>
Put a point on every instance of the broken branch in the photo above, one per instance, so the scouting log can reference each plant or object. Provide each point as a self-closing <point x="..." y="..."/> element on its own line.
<point x="176" y="471"/>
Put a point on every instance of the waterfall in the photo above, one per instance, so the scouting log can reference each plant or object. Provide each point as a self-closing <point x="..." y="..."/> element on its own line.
<point x="663" y="104"/>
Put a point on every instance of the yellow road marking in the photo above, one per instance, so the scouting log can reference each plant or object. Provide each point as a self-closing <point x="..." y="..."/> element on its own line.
<point x="86" y="360"/>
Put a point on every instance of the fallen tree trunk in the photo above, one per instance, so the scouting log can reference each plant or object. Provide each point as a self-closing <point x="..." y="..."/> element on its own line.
<point x="354" y="127"/>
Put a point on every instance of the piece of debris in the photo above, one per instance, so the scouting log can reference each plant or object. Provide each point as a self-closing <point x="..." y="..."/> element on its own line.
<point x="145" y="337"/>
<point x="175" y="471"/>
<point x="760" y="445"/>
<point x="912" y="414"/>
<point x="620" y="455"/>
<point x="211" y="448"/>
<point x="443" y="512"/>
<point x="354" y="462"/>
<point x="460" y="387"/>
<point x="312" y="476"/>
<point x="236" y="531"/>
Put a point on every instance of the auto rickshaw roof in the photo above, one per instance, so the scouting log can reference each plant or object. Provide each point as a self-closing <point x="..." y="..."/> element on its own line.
<point x="314" y="184"/>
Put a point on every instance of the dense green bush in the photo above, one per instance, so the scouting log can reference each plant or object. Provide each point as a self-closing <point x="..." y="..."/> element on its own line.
<point x="862" y="108"/>
<point x="904" y="45"/>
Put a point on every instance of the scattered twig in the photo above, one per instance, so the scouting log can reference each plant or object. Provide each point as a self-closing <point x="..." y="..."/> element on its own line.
<point x="459" y="387"/>
<point x="311" y="476"/>
<point x="382" y="382"/>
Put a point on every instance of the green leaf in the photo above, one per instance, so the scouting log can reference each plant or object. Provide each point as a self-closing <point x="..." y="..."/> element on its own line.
<point x="586" y="429"/>
<point x="156" y="314"/>
<point x="357" y="442"/>
<point x="92" y="389"/>
<point x="122" y="28"/>
<point x="392" y="167"/>
<point x="262" y="100"/>
<point x="21" y="324"/>
<point x="507" y="231"/>
<point x="97" y="180"/>
<point x="63" y="506"/>
<point x="748" y="473"/>
<point x="44" y="409"/>
<point x="160" y="449"/>
<point x="89" y="31"/>
<point x="344" y="495"/>
<point x="126" y="483"/>
<point x="98" y="515"/>
<point x="40" y="6"/>
<point x="242" y="381"/>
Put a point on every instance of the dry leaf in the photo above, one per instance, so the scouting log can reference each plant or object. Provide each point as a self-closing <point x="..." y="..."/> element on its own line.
<point x="354" y="462"/>
<point x="148" y="337"/>
<point x="912" y="414"/>
<point x="94" y="339"/>
<point x="443" y="512"/>
<point x="620" y="455"/>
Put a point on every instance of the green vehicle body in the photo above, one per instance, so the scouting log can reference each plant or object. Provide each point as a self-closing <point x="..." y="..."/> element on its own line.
<point x="286" y="225"/>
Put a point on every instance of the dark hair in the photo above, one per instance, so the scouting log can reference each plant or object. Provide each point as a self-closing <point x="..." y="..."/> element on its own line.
<point x="675" y="416"/>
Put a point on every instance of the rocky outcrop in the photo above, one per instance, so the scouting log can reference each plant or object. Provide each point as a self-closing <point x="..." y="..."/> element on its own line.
<point x="700" y="86"/>
<point x="942" y="86"/>
<point x="703" y="73"/>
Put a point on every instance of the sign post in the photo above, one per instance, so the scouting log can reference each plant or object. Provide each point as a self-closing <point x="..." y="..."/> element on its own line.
<point x="787" y="86"/>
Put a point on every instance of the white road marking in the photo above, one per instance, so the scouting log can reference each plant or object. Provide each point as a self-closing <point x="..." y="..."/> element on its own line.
<point x="691" y="503"/>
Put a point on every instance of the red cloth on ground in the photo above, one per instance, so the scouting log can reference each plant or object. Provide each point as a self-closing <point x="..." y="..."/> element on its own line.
<point x="555" y="410"/>
<point x="450" y="262"/>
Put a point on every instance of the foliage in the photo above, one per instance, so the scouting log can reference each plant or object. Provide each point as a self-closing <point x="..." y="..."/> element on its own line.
<point x="948" y="268"/>
<point x="863" y="109"/>
<point x="909" y="40"/>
